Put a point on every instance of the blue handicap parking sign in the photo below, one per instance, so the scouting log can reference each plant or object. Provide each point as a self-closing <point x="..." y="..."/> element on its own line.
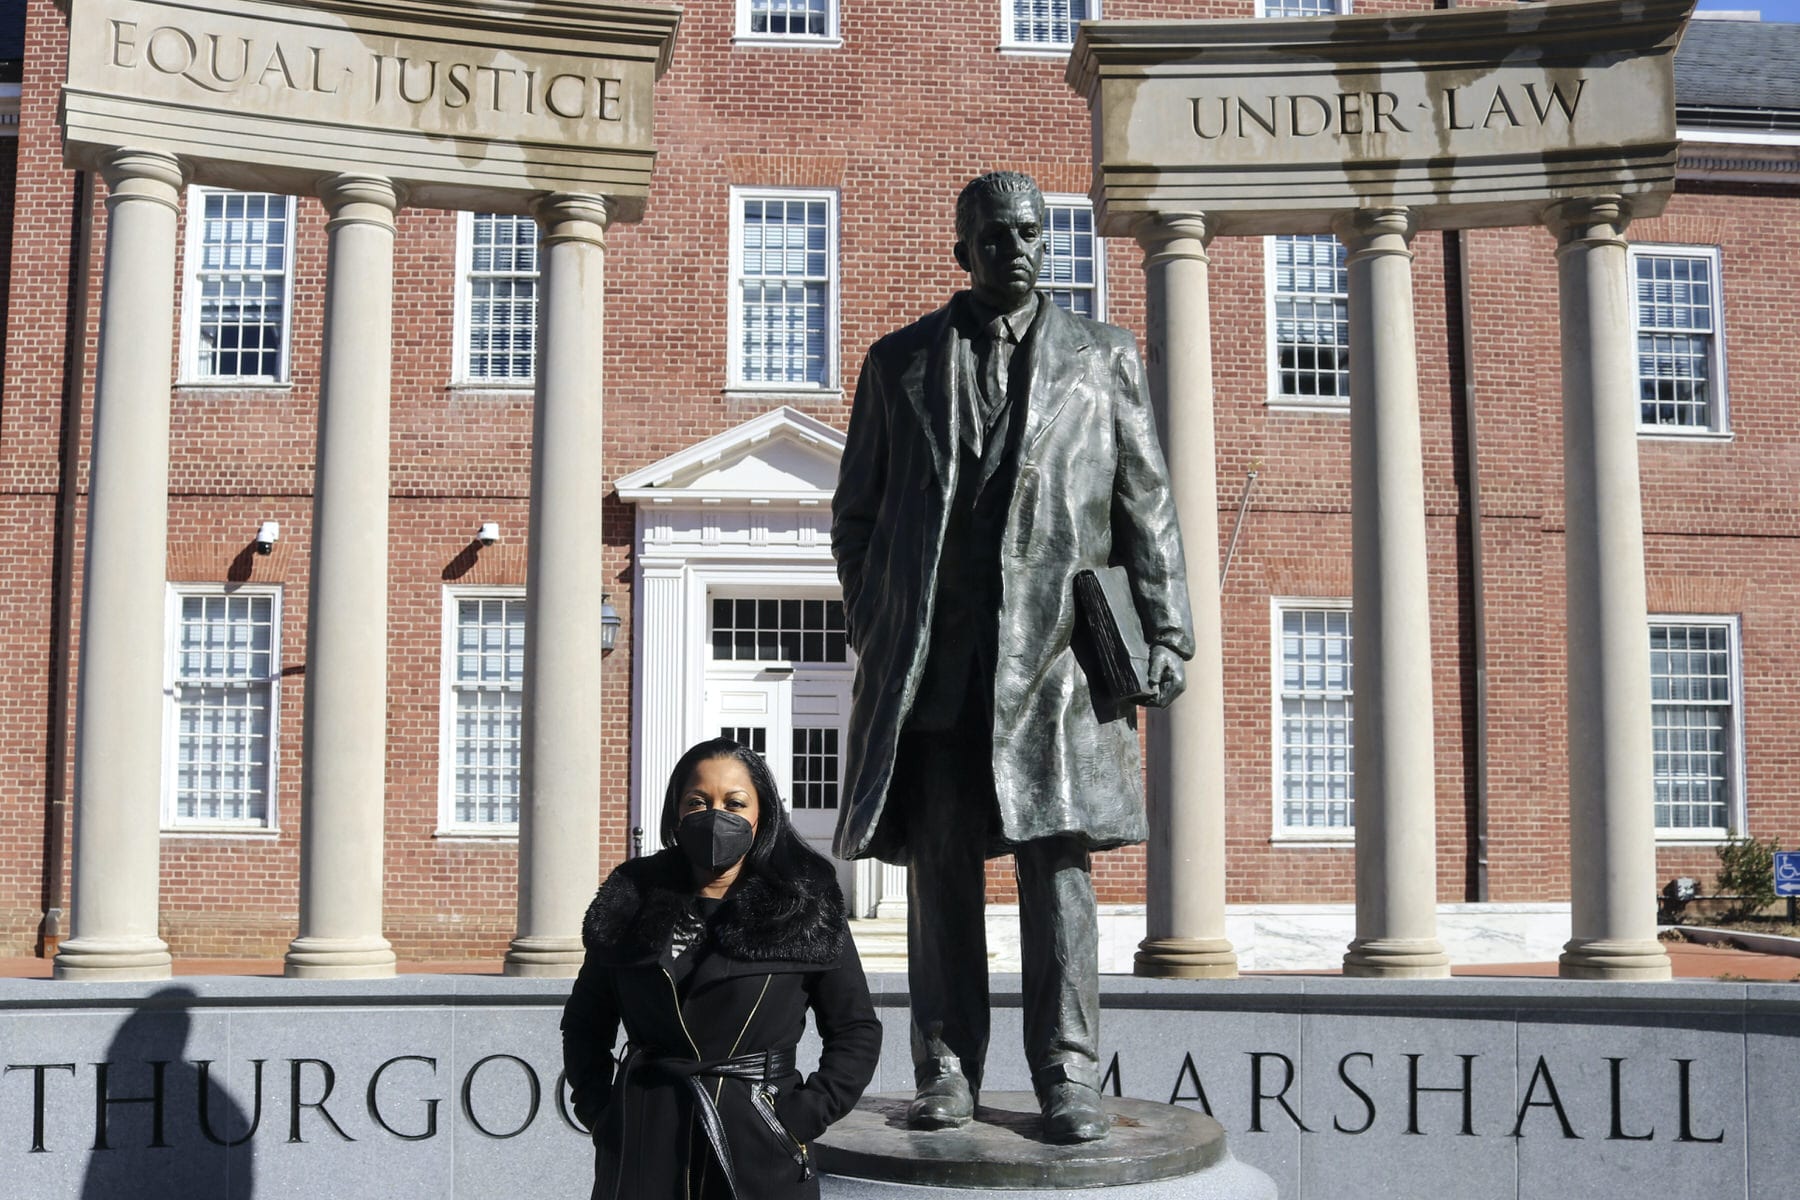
<point x="1787" y="873"/>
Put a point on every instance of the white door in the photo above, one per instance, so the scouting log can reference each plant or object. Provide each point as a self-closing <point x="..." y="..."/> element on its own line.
<point x="779" y="682"/>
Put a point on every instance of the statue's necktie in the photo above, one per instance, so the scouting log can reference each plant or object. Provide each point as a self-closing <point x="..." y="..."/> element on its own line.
<point x="993" y="353"/>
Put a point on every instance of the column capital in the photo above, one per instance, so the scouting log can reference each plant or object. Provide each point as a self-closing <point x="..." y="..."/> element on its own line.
<point x="361" y="199"/>
<point x="1166" y="236"/>
<point x="572" y="216"/>
<point x="1588" y="220"/>
<point x="133" y="174"/>
<point x="1367" y="231"/>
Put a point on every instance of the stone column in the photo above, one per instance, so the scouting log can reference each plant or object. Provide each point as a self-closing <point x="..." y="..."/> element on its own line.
<point x="1396" y="786"/>
<point x="1185" y="858"/>
<point x="1612" y="835"/>
<point x="344" y="764"/>
<point x="119" y="697"/>
<point x="559" y="802"/>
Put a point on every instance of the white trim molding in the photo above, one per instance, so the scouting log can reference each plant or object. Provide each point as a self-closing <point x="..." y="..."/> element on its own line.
<point x="747" y="509"/>
<point x="448" y="826"/>
<point x="174" y="825"/>
<point x="746" y="35"/>
<point x="460" y="376"/>
<point x="1736" y="806"/>
<point x="1012" y="43"/>
<point x="189" y="362"/>
<point x="735" y="381"/>
<point x="1678" y="296"/>
<point x="1281" y="832"/>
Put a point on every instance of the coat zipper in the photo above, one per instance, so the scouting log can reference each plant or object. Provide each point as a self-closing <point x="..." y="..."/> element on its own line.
<point x="719" y="1084"/>
<point x="762" y="1099"/>
<point x="762" y="1095"/>
<point x="687" y="1175"/>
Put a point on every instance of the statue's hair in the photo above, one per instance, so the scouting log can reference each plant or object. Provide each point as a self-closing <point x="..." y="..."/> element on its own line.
<point x="983" y="187"/>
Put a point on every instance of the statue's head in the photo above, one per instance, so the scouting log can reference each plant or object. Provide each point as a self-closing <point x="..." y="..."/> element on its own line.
<point x="1000" y="237"/>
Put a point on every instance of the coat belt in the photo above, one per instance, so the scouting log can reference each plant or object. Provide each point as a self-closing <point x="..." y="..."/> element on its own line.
<point x="760" y="1066"/>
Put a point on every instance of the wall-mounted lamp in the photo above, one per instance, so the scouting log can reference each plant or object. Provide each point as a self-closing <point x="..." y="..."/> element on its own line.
<point x="267" y="534"/>
<point x="489" y="533"/>
<point x="609" y="624"/>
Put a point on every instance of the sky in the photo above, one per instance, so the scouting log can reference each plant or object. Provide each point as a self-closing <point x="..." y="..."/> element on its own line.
<point x="1772" y="10"/>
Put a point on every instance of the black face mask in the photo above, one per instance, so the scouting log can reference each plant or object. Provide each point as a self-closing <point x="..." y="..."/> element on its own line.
<point x="713" y="838"/>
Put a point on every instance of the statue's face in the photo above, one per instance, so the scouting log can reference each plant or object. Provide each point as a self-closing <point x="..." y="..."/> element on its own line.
<point x="1007" y="250"/>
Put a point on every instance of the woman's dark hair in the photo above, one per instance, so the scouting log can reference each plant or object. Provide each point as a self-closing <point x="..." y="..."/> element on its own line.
<point x="777" y="850"/>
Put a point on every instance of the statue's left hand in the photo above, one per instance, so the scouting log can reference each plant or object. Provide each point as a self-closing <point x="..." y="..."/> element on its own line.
<point x="1167" y="677"/>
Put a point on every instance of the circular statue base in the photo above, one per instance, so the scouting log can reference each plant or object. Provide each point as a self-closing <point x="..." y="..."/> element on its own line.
<point x="1155" y="1151"/>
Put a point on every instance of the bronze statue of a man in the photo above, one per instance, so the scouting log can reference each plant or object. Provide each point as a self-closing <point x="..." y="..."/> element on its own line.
<point x="997" y="447"/>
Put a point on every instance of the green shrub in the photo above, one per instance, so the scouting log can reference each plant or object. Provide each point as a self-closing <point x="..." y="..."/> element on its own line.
<point x="1747" y="871"/>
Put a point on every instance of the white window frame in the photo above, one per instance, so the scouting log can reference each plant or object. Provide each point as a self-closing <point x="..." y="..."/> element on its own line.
<point x="188" y="363"/>
<point x="829" y="40"/>
<point x="1280" y="832"/>
<point x="1075" y="200"/>
<point x="448" y="825"/>
<point x="1276" y="398"/>
<point x="171" y="824"/>
<point x="1340" y="8"/>
<point x="735" y="381"/>
<point x="1010" y="43"/>
<point x="1719" y="427"/>
<point x="460" y="375"/>
<point x="1736" y="808"/>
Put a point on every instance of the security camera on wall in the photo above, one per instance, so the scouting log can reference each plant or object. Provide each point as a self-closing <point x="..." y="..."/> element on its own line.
<point x="267" y="534"/>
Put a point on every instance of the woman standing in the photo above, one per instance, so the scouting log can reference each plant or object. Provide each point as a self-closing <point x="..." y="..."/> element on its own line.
<point x="710" y="953"/>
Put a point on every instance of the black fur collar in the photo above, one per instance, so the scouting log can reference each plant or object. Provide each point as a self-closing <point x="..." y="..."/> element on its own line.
<point x="635" y="910"/>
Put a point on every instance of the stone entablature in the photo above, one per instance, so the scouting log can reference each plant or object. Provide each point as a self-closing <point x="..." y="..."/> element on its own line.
<point x="1468" y="117"/>
<point x="1371" y="129"/>
<point x="462" y="104"/>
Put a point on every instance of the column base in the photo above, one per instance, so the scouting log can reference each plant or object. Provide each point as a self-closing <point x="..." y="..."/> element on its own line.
<point x="95" y="960"/>
<point x="1185" y="958"/>
<point x="1397" y="958"/>
<point x="539" y="957"/>
<point x="1614" y="958"/>
<point x="339" y="958"/>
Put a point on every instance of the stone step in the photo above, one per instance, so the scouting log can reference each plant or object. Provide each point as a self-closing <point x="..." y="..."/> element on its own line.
<point x="881" y="943"/>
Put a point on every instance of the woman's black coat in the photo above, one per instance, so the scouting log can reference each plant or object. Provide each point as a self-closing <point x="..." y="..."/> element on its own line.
<point x="772" y="953"/>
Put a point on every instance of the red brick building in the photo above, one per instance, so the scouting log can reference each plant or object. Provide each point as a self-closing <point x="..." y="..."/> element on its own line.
<point x="810" y="152"/>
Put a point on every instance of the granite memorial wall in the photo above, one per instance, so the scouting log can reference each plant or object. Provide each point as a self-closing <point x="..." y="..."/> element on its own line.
<point x="1339" y="1089"/>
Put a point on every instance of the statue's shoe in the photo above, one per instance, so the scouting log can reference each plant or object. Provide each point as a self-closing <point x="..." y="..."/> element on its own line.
<point x="1072" y="1113"/>
<point x="944" y="1102"/>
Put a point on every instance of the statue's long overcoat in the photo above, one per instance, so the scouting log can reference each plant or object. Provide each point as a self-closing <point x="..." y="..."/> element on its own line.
<point x="1091" y="489"/>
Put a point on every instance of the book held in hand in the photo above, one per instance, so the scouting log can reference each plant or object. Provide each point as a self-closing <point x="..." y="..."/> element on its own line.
<point x="1104" y="606"/>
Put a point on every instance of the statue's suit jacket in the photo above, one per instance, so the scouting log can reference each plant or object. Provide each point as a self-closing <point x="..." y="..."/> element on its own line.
<point x="1091" y="488"/>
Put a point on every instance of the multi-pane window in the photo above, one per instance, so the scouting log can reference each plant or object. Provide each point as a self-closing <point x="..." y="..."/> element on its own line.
<point x="786" y="19"/>
<point x="1315" y="750"/>
<point x="1694" y="738"/>
<point x="1309" y="318"/>
<point x="1681" y="377"/>
<point x="235" y="303"/>
<point x="790" y="630"/>
<point x="484" y="670"/>
<point x="784" y="278"/>
<point x="497" y="300"/>
<point x="1036" y="23"/>
<point x="752" y="737"/>
<point x="1303" y="8"/>
<point x="1071" y="270"/>
<point x="224" y="662"/>
<point x="816" y="767"/>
